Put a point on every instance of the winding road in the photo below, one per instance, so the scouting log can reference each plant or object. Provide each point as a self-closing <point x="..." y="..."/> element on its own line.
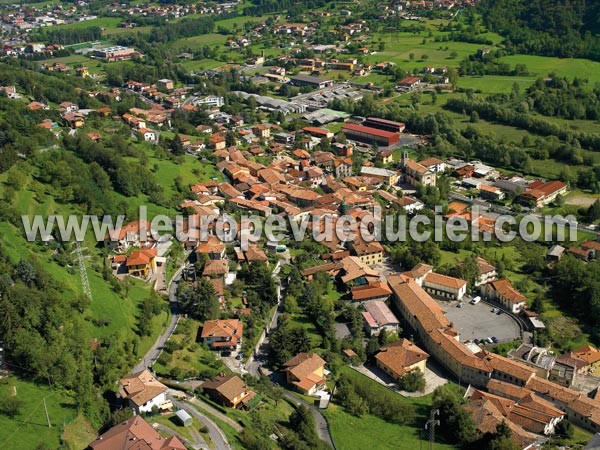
<point x="215" y="433"/>
<point x="154" y="352"/>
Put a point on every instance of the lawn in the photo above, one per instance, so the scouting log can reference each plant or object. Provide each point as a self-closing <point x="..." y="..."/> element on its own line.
<point x="399" y="46"/>
<point x="29" y="429"/>
<point x="494" y="84"/>
<point x="350" y="432"/>
<point x="541" y="66"/>
<point x="102" y="22"/>
<point x="79" y="433"/>
<point x="192" y="357"/>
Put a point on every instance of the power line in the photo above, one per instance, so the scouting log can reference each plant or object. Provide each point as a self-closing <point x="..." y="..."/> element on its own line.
<point x="85" y="283"/>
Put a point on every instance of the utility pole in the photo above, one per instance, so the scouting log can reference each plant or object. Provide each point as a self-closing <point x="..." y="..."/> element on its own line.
<point x="430" y="425"/>
<point x="47" y="416"/>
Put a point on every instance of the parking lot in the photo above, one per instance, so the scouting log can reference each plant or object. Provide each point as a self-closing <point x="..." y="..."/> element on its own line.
<point x="478" y="322"/>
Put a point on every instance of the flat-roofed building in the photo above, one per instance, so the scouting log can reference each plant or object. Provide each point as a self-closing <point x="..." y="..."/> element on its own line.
<point x="370" y="135"/>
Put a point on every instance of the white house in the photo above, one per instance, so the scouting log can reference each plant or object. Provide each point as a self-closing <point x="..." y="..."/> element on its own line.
<point x="142" y="391"/>
<point x="147" y="134"/>
<point x="504" y="293"/>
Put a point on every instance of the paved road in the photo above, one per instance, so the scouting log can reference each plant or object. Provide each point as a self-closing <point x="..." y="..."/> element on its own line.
<point x="216" y="413"/>
<point x="261" y="356"/>
<point x="320" y="422"/>
<point x="154" y="352"/>
<point x="197" y="444"/>
<point x="215" y="433"/>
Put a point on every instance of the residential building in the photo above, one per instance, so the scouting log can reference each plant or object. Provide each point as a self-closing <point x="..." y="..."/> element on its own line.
<point x="437" y="285"/>
<point x="487" y="272"/>
<point x="389" y="177"/>
<point x="370" y="253"/>
<point x="134" y="234"/>
<point x="147" y="135"/>
<point x="376" y="290"/>
<point x="409" y="83"/>
<point x="165" y="84"/>
<point x="591" y="356"/>
<point x="142" y="391"/>
<point x="491" y="192"/>
<point x="434" y="164"/>
<point x="228" y="390"/>
<point x="223" y="334"/>
<point x="416" y="174"/>
<point x="504" y="293"/>
<point x="539" y="193"/>
<point x="262" y="131"/>
<point x="142" y="263"/>
<point x="529" y="412"/>
<point x="305" y="372"/>
<point x="135" y="434"/>
<point x="398" y="358"/>
<point x="385" y="156"/>
<point x="378" y="317"/>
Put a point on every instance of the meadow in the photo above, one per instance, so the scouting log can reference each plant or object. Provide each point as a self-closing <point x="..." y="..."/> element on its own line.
<point x="354" y="433"/>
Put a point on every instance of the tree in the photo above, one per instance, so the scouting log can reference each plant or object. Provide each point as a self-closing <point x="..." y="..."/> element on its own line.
<point x="413" y="381"/>
<point x="593" y="212"/>
<point x="457" y="423"/>
<point x="11" y="406"/>
<point x="176" y="146"/>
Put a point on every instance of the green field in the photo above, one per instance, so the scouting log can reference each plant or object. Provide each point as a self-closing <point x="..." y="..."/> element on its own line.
<point x="399" y="46"/>
<point x="355" y="433"/>
<point x="541" y="66"/>
<point x="102" y="22"/>
<point x="29" y="428"/>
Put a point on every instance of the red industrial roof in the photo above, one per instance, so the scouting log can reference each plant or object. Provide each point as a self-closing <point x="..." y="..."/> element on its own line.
<point x="368" y="130"/>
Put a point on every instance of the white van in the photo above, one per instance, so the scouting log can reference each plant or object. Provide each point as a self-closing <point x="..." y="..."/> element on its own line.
<point x="476" y="300"/>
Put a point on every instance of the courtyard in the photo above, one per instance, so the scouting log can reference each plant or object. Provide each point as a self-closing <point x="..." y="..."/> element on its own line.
<point x="479" y="322"/>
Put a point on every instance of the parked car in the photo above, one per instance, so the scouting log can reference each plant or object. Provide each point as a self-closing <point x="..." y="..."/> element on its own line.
<point x="460" y="305"/>
<point x="489" y="340"/>
<point x="476" y="341"/>
<point x="226" y="353"/>
<point x="239" y="356"/>
<point x="495" y="339"/>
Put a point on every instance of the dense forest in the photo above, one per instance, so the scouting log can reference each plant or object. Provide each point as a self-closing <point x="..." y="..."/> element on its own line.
<point x="564" y="28"/>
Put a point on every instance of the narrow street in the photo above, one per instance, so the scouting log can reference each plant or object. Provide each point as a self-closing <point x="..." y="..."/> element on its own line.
<point x="153" y="353"/>
<point x="216" y="434"/>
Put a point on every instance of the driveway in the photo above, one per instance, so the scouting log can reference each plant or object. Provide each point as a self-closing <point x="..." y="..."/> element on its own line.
<point x="320" y="422"/>
<point x="215" y="433"/>
<point x="434" y="377"/>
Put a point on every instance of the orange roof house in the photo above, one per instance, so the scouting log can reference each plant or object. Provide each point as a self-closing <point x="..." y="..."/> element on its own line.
<point x="141" y="263"/>
<point x="306" y="372"/>
<point x="229" y="390"/>
<point x="142" y="391"/>
<point x="135" y="434"/>
<point x="400" y="357"/>
<point x="222" y="334"/>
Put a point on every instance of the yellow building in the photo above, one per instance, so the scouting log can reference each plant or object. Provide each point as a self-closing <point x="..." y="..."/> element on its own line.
<point x="400" y="357"/>
<point x="142" y="263"/>
<point x="306" y="372"/>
